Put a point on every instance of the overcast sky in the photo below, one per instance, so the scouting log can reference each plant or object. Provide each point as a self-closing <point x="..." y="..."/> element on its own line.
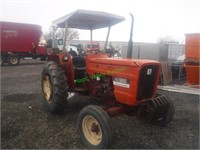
<point x="153" y="18"/>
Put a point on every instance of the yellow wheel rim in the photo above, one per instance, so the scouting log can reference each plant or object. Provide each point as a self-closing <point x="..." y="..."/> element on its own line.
<point x="92" y="130"/>
<point x="47" y="88"/>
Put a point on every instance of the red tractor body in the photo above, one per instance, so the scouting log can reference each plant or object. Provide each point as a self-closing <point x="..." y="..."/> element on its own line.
<point x="119" y="84"/>
<point x="129" y="88"/>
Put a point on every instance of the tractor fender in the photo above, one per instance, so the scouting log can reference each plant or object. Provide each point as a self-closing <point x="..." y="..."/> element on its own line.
<point x="61" y="58"/>
<point x="64" y="60"/>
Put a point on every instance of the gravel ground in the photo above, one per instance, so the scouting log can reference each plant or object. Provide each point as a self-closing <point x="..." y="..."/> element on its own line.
<point x="26" y="124"/>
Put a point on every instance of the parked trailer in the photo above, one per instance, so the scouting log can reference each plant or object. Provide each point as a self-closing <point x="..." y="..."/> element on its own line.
<point x="19" y="40"/>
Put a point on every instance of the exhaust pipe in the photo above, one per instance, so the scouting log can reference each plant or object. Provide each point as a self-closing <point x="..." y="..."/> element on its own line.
<point x="130" y="42"/>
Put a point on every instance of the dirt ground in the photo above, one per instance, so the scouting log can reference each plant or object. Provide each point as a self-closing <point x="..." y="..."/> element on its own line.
<point x="26" y="124"/>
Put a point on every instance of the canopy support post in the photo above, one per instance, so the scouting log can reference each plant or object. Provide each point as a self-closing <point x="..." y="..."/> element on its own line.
<point x="91" y="48"/>
<point x="66" y="34"/>
<point x="106" y="43"/>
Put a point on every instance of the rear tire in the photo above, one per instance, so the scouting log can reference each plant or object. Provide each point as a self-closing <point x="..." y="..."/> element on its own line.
<point x="54" y="87"/>
<point x="13" y="60"/>
<point x="94" y="127"/>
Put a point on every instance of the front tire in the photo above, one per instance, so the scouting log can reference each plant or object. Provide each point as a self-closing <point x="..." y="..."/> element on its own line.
<point x="13" y="60"/>
<point x="94" y="127"/>
<point x="160" y="115"/>
<point x="54" y="87"/>
<point x="166" y="117"/>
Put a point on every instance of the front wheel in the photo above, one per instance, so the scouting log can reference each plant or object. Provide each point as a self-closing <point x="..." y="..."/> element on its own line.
<point x="94" y="127"/>
<point x="164" y="117"/>
<point x="160" y="111"/>
<point x="54" y="87"/>
<point x="13" y="60"/>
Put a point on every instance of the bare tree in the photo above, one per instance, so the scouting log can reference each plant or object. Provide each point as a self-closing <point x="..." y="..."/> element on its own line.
<point x="166" y="39"/>
<point x="71" y="34"/>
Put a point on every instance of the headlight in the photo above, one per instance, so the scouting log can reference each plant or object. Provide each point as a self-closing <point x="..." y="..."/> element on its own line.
<point x="65" y="58"/>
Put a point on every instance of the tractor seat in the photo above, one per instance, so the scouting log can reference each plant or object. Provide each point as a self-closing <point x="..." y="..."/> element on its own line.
<point x="78" y="63"/>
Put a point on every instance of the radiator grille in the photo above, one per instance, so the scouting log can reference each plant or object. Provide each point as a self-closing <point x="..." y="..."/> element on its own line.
<point x="147" y="81"/>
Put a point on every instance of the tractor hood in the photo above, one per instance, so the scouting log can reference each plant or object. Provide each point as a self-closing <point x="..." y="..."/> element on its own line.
<point x="132" y="79"/>
<point x="105" y="60"/>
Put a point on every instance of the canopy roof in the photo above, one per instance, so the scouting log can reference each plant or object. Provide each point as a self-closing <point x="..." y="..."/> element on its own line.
<point x="89" y="20"/>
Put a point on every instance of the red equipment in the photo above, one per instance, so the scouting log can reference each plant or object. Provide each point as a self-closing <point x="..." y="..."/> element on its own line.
<point x="192" y="60"/>
<point x="95" y="46"/>
<point x="119" y="85"/>
<point x="19" y="40"/>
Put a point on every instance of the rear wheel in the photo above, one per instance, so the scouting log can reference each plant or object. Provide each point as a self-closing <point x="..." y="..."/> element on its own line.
<point x="94" y="127"/>
<point x="54" y="87"/>
<point x="13" y="60"/>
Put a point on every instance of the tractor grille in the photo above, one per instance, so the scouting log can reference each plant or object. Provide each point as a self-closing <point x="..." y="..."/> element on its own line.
<point x="147" y="81"/>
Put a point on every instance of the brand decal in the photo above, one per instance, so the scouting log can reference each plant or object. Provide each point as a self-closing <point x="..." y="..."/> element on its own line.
<point x="149" y="71"/>
<point x="99" y="75"/>
<point x="123" y="82"/>
<point x="11" y="33"/>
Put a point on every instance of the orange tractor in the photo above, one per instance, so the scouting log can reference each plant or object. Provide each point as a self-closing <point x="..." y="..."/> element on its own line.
<point x="119" y="85"/>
